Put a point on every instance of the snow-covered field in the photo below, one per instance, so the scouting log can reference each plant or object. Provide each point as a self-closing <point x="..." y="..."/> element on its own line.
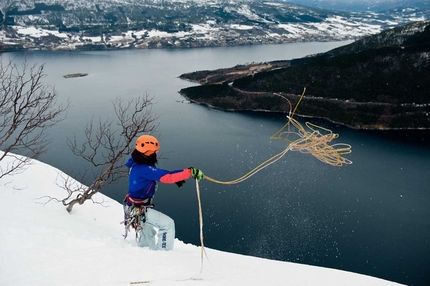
<point x="42" y="244"/>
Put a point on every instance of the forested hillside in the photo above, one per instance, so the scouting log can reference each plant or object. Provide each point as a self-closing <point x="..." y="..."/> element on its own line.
<point x="380" y="81"/>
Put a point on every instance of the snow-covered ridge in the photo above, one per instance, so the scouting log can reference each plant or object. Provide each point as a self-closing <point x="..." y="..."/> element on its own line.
<point x="42" y="244"/>
<point x="71" y="25"/>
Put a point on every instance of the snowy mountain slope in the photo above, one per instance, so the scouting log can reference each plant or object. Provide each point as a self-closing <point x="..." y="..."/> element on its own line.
<point x="391" y="37"/>
<point x="42" y="244"/>
<point x="69" y="25"/>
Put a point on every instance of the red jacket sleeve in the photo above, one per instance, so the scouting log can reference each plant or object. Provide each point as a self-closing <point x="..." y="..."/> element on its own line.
<point x="176" y="177"/>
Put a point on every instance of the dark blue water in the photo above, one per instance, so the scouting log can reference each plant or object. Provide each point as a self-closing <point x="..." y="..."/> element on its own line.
<point x="371" y="217"/>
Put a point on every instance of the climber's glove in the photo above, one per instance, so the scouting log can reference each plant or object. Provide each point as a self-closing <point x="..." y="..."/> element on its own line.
<point x="180" y="183"/>
<point x="196" y="173"/>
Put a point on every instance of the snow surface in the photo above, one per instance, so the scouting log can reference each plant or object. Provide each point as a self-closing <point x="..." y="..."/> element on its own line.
<point x="38" y="32"/>
<point x="42" y="244"/>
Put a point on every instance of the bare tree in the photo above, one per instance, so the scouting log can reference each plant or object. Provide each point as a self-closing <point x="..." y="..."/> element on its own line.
<point x="27" y="108"/>
<point x="106" y="145"/>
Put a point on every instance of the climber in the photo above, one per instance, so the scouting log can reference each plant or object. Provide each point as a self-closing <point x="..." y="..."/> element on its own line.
<point x="143" y="179"/>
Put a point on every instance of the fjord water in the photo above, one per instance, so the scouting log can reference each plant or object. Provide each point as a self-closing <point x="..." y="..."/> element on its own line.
<point x="371" y="217"/>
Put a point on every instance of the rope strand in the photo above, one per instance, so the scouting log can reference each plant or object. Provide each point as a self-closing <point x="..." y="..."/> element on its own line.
<point x="201" y="224"/>
<point x="314" y="142"/>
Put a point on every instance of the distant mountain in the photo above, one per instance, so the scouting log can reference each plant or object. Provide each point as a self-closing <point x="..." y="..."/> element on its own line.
<point x="378" y="82"/>
<point x="364" y="5"/>
<point x="137" y="24"/>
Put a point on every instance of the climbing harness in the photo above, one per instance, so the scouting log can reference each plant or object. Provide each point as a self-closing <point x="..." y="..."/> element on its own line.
<point x="135" y="215"/>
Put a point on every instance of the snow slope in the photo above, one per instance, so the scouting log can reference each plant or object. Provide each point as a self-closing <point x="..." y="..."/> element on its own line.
<point x="42" y="244"/>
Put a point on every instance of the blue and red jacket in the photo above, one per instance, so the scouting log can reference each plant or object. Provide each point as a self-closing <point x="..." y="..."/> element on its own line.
<point x="143" y="178"/>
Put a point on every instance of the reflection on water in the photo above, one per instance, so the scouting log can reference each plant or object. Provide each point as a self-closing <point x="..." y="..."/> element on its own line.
<point x="371" y="217"/>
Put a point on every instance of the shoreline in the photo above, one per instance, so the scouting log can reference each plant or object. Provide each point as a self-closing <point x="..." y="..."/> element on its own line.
<point x="304" y="116"/>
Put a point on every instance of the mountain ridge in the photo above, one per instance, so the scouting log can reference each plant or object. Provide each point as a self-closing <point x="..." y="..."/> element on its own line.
<point x="364" y="85"/>
<point x="132" y="24"/>
<point x="363" y="5"/>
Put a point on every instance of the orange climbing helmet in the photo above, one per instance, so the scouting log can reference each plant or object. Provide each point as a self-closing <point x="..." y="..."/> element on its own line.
<point x="147" y="145"/>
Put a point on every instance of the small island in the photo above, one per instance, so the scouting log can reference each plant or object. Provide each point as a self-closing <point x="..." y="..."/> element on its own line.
<point x="72" y="75"/>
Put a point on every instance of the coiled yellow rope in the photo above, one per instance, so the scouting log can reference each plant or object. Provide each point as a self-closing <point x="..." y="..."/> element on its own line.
<point x="314" y="140"/>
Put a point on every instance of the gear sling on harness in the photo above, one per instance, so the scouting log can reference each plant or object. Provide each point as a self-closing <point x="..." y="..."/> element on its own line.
<point x="135" y="214"/>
